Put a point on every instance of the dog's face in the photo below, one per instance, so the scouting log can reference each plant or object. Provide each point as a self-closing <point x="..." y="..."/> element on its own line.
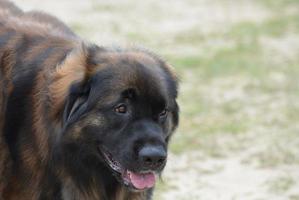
<point x="121" y="118"/>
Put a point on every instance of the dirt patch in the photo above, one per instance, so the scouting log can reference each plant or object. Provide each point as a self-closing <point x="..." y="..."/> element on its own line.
<point x="237" y="175"/>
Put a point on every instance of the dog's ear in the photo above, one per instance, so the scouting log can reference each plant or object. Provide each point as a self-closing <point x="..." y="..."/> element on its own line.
<point x="175" y="116"/>
<point x="76" y="102"/>
<point x="174" y="120"/>
<point x="70" y="85"/>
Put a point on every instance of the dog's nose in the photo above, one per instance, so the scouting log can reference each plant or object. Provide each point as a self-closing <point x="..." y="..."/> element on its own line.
<point x="152" y="157"/>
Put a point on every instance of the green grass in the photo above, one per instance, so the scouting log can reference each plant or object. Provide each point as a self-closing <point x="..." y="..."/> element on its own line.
<point x="275" y="26"/>
<point x="246" y="56"/>
<point x="279" y="4"/>
<point x="281" y="184"/>
<point x="245" y="59"/>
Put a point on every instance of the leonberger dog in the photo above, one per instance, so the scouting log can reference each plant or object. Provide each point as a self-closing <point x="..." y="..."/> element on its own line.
<point x="79" y="121"/>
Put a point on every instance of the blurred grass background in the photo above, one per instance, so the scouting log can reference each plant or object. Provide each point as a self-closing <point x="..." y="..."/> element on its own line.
<point x="238" y="62"/>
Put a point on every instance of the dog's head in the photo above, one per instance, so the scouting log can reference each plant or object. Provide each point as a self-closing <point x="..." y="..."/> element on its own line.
<point x="119" y="111"/>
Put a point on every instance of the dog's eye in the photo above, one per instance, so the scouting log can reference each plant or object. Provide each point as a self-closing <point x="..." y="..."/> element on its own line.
<point x="122" y="108"/>
<point x="163" y="114"/>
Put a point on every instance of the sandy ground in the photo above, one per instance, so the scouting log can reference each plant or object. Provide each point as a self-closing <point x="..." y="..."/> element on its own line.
<point x="238" y="171"/>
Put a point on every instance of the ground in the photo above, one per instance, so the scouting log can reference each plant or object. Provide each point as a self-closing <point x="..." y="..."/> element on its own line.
<point x="238" y="63"/>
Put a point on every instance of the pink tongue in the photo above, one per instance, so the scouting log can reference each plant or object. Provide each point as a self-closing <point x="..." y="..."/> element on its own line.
<point x="142" y="181"/>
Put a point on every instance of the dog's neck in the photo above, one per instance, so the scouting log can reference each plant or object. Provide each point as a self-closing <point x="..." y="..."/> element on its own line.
<point x="71" y="192"/>
<point x="110" y="189"/>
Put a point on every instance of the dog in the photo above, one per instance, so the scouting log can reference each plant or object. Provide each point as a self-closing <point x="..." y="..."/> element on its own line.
<point x="78" y="120"/>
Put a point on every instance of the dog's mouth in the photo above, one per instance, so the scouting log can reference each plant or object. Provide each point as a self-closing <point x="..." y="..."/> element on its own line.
<point x="134" y="180"/>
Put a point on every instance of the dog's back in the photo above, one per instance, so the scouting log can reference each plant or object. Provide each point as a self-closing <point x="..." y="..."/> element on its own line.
<point x="19" y="31"/>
